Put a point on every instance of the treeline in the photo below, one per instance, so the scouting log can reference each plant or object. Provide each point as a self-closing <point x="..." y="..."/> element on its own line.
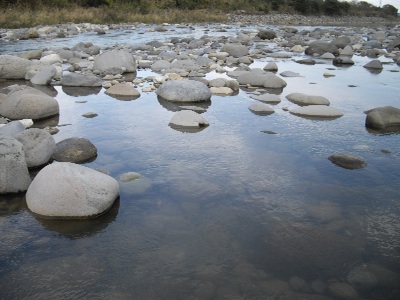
<point x="305" y="7"/>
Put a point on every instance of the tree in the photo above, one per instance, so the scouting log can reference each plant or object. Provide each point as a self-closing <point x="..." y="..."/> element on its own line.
<point x="389" y="10"/>
<point x="332" y="7"/>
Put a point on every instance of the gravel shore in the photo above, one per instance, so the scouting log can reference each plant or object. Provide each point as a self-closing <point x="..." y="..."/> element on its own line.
<point x="289" y="19"/>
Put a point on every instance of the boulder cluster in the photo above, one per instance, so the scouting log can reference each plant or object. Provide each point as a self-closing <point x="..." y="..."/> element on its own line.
<point x="180" y="65"/>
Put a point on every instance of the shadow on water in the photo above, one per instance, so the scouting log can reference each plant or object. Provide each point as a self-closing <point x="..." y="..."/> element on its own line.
<point x="79" y="228"/>
<point x="198" y="107"/>
<point x="81" y="91"/>
<point x="12" y="203"/>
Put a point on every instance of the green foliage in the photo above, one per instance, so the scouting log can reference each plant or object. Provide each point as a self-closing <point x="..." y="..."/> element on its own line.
<point x="389" y="10"/>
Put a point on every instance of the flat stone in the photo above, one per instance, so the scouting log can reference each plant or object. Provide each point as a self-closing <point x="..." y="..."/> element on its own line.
<point x="303" y="99"/>
<point x="316" y="111"/>
<point x="268" y="98"/>
<point x="347" y="161"/>
<point x="261" y="109"/>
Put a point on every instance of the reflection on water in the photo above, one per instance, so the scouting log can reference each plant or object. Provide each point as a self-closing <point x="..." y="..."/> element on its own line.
<point x="226" y="213"/>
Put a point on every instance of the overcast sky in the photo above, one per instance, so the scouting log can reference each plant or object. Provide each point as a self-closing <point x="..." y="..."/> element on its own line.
<point x="395" y="3"/>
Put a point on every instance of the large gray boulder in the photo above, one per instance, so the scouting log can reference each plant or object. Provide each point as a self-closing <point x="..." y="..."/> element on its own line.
<point x="394" y="44"/>
<point x="13" y="67"/>
<point x="303" y="99"/>
<point x="374" y="64"/>
<point x="39" y="146"/>
<point x="235" y="50"/>
<point x="67" y="190"/>
<point x="115" y="62"/>
<point x="342" y="41"/>
<point x="76" y="150"/>
<point x="319" y="48"/>
<point x="184" y="91"/>
<point x="266" y="34"/>
<point x="14" y="175"/>
<point x="382" y="117"/>
<point x="24" y="102"/>
<point x="80" y="79"/>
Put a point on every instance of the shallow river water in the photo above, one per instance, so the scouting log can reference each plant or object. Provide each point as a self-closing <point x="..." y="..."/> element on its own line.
<point x="229" y="212"/>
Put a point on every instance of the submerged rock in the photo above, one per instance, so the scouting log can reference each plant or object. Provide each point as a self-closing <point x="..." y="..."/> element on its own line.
<point x="67" y="190"/>
<point x="347" y="161"/>
<point x="14" y="171"/>
<point x="268" y="98"/>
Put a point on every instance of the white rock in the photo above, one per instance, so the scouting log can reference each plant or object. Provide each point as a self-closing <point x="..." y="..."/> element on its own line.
<point x="67" y="190"/>
<point x="268" y="98"/>
<point x="221" y="91"/>
<point x="188" y="119"/>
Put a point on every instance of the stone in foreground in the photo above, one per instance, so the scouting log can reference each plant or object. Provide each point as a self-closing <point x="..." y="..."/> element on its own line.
<point x="316" y="111"/>
<point x="347" y="161"/>
<point x="123" y="91"/>
<point x="188" y="119"/>
<point x="184" y="91"/>
<point x="14" y="176"/>
<point x="67" y="190"/>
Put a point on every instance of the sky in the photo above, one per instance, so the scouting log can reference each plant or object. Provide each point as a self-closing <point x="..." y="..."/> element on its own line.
<point x="395" y="3"/>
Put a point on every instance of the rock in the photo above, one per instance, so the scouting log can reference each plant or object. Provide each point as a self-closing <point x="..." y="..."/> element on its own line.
<point x="12" y="129"/>
<point x="268" y="98"/>
<point x="316" y="111"/>
<point x="67" y="190"/>
<point x="320" y="47"/>
<point x="44" y="76"/>
<point x="32" y="33"/>
<point x="186" y="64"/>
<point x="184" y="91"/>
<point x="126" y="177"/>
<point x="24" y="102"/>
<point x="78" y="79"/>
<point x="303" y="99"/>
<point x="382" y="117"/>
<point x="31" y="54"/>
<point x="160" y="65"/>
<point x="38" y="145"/>
<point x="188" y="119"/>
<point x="342" y="41"/>
<point x="394" y="44"/>
<point x="160" y="28"/>
<point x="124" y="91"/>
<point x="76" y="150"/>
<point x="327" y="56"/>
<point x="221" y="91"/>
<point x="297" y="49"/>
<point x="89" y="115"/>
<point x="361" y="278"/>
<point x="290" y="74"/>
<point x="347" y="51"/>
<point x="297" y="283"/>
<point x="261" y="109"/>
<point x="51" y="59"/>
<point x="14" y="176"/>
<point x="271" y="66"/>
<point x="307" y="61"/>
<point x="347" y="161"/>
<point x="13" y="67"/>
<point x="87" y="48"/>
<point x="342" y="290"/>
<point x="115" y="62"/>
<point x="374" y="64"/>
<point x="258" y="77"/>
<point x="266" y="34"/>
<point x="338" y="61"/>
<point x="235" y="50"/>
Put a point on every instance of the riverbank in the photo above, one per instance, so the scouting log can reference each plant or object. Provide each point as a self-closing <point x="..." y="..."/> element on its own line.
<point x="22" y="17"/>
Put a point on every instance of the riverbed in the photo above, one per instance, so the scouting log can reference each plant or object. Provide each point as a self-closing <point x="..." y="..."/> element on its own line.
<point x="250" y="207"/>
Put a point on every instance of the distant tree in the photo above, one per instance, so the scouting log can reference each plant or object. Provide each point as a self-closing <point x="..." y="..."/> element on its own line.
<point x="332" y="7"/>
<point x="389" y="10"/>
<point x="301" y="6"/>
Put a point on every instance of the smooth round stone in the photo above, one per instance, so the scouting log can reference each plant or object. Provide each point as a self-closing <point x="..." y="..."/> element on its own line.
<point x="347" y="161"/>
<point x="316" y="111"/>
<point x="304" y="99"/>
<point x="76" y="150"/>
<point x="184" y="91"/>
<point x="67" y="190"/>
<point x="381" y="117"/>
